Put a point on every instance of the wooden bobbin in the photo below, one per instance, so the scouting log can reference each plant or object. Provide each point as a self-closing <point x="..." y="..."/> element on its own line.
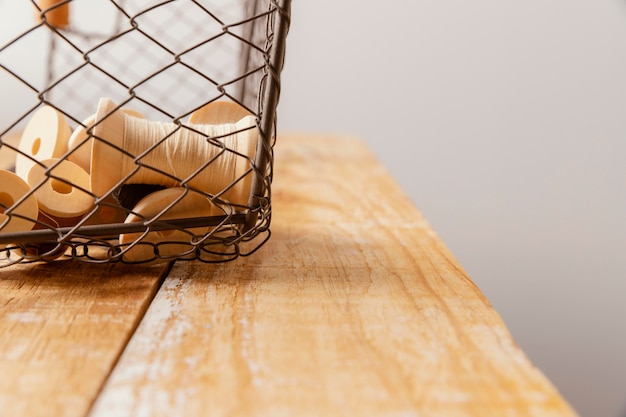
<point x="80" y="143"/>
<point x="108" y="212"/>
<point x="7" y="154"/>
<point x="190" y="204"/>
<point x="218" y="112"/>
<point x="58" y="17"/>
<point x="13" y="189"/>
<point x="59" y="191"/>
<point x="180" y="156"/>
<point x="45" y="136"/>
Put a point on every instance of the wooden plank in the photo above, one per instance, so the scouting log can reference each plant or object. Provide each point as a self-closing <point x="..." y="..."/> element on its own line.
<point x="62" y="328"/>
<point x="354" y="307"/>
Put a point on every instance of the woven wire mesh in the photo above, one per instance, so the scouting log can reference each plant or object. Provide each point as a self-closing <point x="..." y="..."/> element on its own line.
<point x="162" y="61"/>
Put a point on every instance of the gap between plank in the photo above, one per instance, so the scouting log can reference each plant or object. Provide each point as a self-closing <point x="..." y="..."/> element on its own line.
<point x="162" y="277"/>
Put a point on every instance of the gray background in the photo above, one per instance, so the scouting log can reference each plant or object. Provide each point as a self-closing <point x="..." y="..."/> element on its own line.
<point x="505" y="123"/>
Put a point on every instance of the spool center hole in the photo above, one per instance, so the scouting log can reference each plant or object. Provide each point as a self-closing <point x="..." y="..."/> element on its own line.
<point x="61" y="187"/>
<point x="36" y="146"/>
<point x="6" y="201"/>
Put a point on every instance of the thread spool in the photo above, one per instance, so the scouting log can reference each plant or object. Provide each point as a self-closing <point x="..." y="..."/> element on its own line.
<point x="45" y="136"/>
<point x="13" y="189"/>
<point x="80" y="144"/>
<point x="218" y="112"/>
<point x="60" y="190"/>
<point x="190" y="204"/>
<point x="180" y="156"/>
<point x="58" y="17"/>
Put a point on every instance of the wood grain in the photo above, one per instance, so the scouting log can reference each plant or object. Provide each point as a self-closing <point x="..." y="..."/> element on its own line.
<point x="62" y="328"/>
<point x="354" y="308"/>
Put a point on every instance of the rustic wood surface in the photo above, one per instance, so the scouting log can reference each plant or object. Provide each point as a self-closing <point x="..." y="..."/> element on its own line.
<point x="354" y="307"/>
<point x="62" y="328"/>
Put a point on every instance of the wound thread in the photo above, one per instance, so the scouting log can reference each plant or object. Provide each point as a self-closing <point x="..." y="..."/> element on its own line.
<point x="203" y="156"/>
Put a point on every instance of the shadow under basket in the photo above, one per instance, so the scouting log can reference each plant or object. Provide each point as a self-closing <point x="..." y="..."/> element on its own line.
<point x="138" y="131"/>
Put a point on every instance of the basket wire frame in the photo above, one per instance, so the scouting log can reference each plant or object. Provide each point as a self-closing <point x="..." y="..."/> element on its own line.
<point x="166" y="59"/>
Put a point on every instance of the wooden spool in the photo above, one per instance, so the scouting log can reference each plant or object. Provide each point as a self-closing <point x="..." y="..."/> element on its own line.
<point x="60" y="191"/>
<point x="182" y="204"/>
<point x="45" y="136"/>
<point x="182" y="154"/>
<point x="108" y="212"/>
<point x="23" y="216"/>
<point x="7" y="154"/>
<point x="59" y="16"/>
<point x="80" y="144"/>
<point x="218" y="112"/>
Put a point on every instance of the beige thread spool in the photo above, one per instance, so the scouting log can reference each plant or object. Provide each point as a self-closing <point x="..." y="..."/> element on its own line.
<point x="59" y="195"/>
<point x="45" y="136"/>
<point x="59" y="17"/>
<point x="191" y="205"/>
<point x="80" y="145"/>
<point x="181" y="155"/>
<point x="13" y="189"/>
<point x="218" y="112"/>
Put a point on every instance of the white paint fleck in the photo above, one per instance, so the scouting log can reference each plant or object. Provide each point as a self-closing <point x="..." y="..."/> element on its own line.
<point x="25" y="317"/>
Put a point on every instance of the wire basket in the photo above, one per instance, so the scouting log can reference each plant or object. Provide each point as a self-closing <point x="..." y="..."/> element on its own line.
<point x="138" y="131"/>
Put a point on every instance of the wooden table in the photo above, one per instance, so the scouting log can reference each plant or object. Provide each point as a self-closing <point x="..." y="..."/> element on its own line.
<point x="353" y="308"/>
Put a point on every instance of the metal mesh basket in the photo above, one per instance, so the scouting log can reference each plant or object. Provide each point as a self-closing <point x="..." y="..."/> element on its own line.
<point x="138" y="131"/>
